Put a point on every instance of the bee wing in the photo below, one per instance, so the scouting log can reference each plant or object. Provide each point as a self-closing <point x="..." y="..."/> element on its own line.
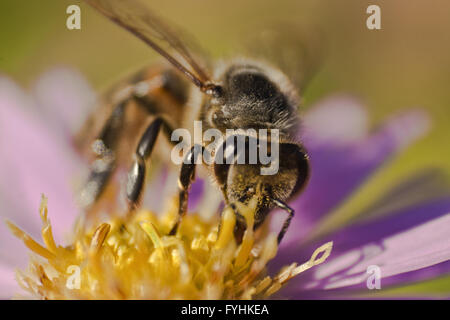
<point x="138" y="19"/>
<point x="296" y="50"/>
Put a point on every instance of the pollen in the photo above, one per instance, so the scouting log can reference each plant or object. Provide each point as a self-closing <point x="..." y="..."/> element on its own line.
<point x="132" y="257"/>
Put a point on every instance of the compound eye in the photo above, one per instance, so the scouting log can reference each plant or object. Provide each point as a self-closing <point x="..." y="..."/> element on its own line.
<point x="213" y="90"/>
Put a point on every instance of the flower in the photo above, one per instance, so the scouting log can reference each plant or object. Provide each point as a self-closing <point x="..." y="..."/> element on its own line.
<point x="406" y="238"/>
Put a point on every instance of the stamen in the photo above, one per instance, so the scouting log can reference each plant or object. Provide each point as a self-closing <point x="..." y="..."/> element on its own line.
<point x="152" y="232"/>
<point x="99" y="236"/>
<point x="46" y="231"/>
<point x="29" y="242"/>
<point x="129" y="258"/>
<point x="325" y="249"/>
<point x="226" y="230"/>
<point x="247" y="241"/>
<point x="263" y="284"/>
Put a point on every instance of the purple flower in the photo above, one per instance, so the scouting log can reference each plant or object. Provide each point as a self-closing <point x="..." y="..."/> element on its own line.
<point x="404" y="233"/>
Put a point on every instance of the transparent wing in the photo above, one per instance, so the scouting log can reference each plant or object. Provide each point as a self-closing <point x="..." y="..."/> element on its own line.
<point x="138" y="19"/>
<point x="296" y="49"/>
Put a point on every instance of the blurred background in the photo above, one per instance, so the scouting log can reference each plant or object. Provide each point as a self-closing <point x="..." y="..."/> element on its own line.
<point x="405" y="64"/>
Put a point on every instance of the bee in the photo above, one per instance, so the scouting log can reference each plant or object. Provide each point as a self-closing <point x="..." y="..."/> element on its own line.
<point x="238" y="94"/>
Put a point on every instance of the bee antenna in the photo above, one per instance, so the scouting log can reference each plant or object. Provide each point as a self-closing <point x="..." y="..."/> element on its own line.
<point x="280" y="204"/>
<point x="287" y="222"/>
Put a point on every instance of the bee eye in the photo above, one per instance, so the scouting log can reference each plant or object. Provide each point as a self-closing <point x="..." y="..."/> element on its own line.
<point x="217" y="92"/>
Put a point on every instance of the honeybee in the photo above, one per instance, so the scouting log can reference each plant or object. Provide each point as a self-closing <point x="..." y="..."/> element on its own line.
<point x="238" y="94"/>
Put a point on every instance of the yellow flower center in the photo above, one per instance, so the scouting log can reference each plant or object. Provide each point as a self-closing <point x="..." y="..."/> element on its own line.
<point x="132" y="258"/>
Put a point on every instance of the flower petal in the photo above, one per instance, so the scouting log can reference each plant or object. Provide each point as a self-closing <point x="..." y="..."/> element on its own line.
<point x="338" y="119"/>
<point x="411" y="245"/>
<point x="36" y="160"/>
<point x="8" y="283"/>
<point x="195" y="193"/>
<point x="64" y="98"/>
<point x="340" y="166"/>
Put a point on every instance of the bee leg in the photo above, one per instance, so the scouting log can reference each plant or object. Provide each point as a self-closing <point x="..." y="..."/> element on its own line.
<point x="104" y="148"/>
<point x="241" y="225"/>
<point x="141" y="91"/>
<point x="104" y="165"/>
<point x="287" y="222"/>
<point x="187" y="175"/>
<point x="137" y="173"/>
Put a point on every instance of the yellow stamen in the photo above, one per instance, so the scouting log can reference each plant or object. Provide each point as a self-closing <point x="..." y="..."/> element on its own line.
<point x="325" y="250"/>
<point x="128" y="258"/>
<point x="29" y="242"/>
<point x="99" y="237"/>
<point x="46" y="231"/>
<point x="227" y="227"/>
<point x="248" y="239"/>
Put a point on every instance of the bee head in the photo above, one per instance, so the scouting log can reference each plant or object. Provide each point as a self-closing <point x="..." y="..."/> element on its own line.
<point x="244" y="182"/>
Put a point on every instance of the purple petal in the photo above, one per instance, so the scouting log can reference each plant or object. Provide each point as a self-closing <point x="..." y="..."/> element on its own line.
<point x="338" y="119"/>
<point x="13" y="252"/>
<point x="410" y="245"/>
<point x="64" y="98"/>
<point x="8" y="284"/>
<point x="35" y="161"/>
<point x="196" y="193"/>
<point x="343" y="158"/>
<point x="155" y="189"/>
